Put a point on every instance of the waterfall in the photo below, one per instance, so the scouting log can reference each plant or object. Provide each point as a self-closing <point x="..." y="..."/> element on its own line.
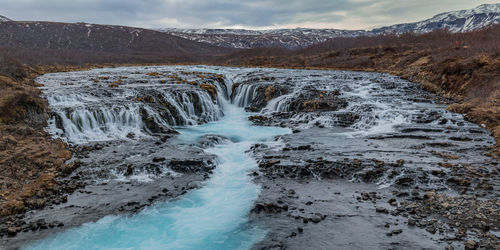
<point x="82" y="114"/>
<point x="106" y="123"/>
<point x="244" y="94"/>
<point x="212" y="217"/>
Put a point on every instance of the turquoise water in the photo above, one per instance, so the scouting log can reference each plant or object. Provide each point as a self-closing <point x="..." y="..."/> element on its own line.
<point x="212" y="217"/>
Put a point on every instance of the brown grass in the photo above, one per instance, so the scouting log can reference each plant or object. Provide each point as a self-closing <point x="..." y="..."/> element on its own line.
<point x="29" y="159"/>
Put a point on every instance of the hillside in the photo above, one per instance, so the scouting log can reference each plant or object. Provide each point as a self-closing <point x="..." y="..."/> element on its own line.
<point x="280" y="38"/>
<point x="4" y="19"/>
<point x="64" y="42"/>
<point x="454" y="21"/>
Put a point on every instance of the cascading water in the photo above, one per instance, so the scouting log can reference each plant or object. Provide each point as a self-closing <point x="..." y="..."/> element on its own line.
<point x="119" y="103"/>
<point x="213" y="217"/>
<point x="344" y="123"/>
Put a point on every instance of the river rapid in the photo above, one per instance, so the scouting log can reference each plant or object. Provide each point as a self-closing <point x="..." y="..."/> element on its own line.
<point x="205" y="157"/>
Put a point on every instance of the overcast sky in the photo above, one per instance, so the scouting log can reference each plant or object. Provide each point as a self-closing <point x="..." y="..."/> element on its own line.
<point x="253" y="14"/>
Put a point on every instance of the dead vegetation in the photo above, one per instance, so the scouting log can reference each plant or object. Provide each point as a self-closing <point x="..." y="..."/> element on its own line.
<point x="29" y="159"/>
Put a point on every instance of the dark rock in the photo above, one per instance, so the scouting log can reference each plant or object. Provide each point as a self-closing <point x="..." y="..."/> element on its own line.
<point x="304" y="147"/>
<point x="471" y="245"/>
<point x="393" y="202"/>
<point x="269" y="163"/>
<point x="269" y="208"/>
<point x="129" y="171"/>
<point x="315" y="219"/>
<point x="431" y="229"/>
<point x="381" y="210"/>
<point x="405" y="181"/>
<point x="12" y="231"/>
<point x="190" y="166"/>
<point x="411" y="222"/>
<point x="159" y="159"/>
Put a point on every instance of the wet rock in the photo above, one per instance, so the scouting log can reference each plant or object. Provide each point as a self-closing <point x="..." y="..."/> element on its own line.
<point x="212" y="140"/>
<point x="393" y="202"/>
<point x="303" y="147"/>
<point x="315" y="100"/>
<point x="159" y="159"/>
<point x="381" y="210"/>
<point x="12" y="231"/>
<point x="269" y="208"/>
<point x="415" y="192"/>
<point x="346" y="119"/>
<point x="405" y="181"/>
<point x="429" y="194"/>
<point x="459" y="181"/>
<point x="397" y="231"/>
<point x="471" y="245"/>
<point x="398" y="163"/>
<point x="258" y="119"/>
<point x="315" y="219"/>
<point x="190" y="166"/>
<point x="431" y="229"/>
<point x="411" y="222"/>
<point x="129" y="171"/>
<point x="269" y="163"/>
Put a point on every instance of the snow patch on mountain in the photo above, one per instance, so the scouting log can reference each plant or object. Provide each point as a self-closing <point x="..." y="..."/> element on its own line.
<point x="241" y="38"/>
<point x="454" y="21"/>
<point x="4" y="19"/>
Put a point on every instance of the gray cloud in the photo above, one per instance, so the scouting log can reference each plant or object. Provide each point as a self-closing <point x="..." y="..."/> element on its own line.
<point x="343" y="14"/>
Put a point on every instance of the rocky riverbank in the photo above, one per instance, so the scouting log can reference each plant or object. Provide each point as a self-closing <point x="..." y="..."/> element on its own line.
<point x="374" y="161"/>
<point x="335" y="182"/>
<point x="117" y="173"/>
<point x="462" y="66"/>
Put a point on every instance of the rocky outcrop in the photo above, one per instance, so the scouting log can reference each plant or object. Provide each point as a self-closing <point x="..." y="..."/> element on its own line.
<point x="311" y="100"/>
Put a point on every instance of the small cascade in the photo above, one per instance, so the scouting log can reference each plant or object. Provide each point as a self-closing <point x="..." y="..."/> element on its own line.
<point x="279" y="104"/>
<point x="128" y="109"/>
<point x="244" y="94"/>
<point x="358" y="120"/>
<point x="106" y="123"/>
<point x="212" y="217"/>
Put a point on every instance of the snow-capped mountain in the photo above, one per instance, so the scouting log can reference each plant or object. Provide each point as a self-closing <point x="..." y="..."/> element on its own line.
<point x="454" y="21"/>
<point x="4" y="19"/>
<point x="240" y="38"/>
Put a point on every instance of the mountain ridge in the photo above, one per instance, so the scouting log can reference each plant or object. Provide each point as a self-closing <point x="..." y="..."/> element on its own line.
<point x="4" y="19"/>
<point x="100" y="39"/>
<point x="454" y="21"/>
